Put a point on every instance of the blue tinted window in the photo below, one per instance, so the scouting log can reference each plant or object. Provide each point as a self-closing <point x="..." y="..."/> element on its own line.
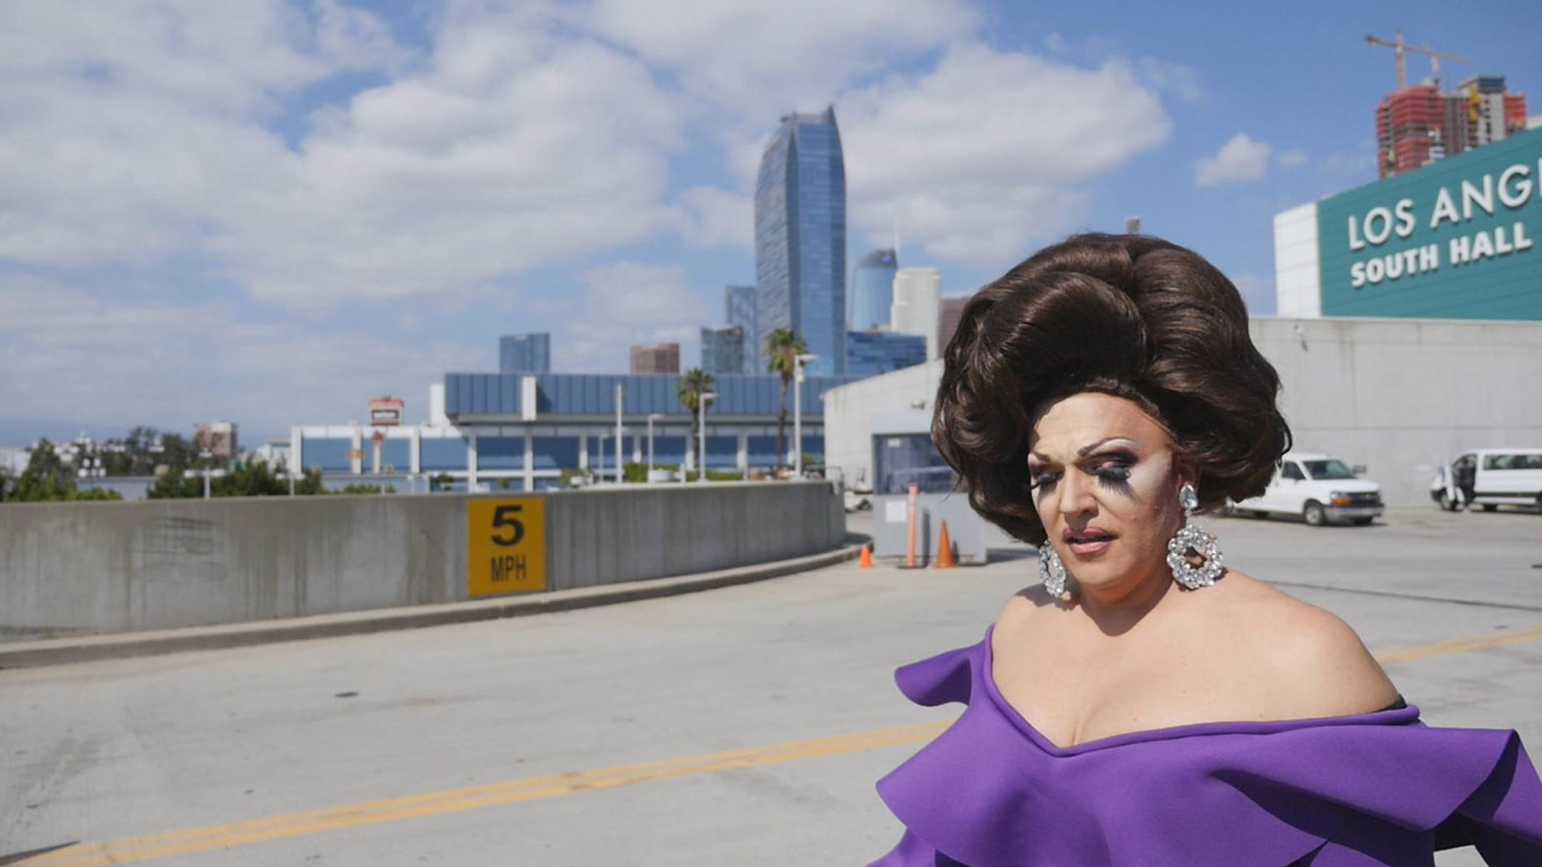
<point x="555" y="453"/>
<point x="666" y="450"/>
<point x="330" y="455"/>
<point x="501" y="453"/>
<point x="443" y="454"/>
<point x="722" y="452"/>
<point x="395" y="455"/>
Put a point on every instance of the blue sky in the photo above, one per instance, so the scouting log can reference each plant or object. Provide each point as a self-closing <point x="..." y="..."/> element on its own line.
<point x="271" y="211"/>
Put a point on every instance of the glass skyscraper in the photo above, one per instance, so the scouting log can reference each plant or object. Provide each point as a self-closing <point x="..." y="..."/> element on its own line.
<point x="869" y="353"/>
<point x="525" y="353"/>
<point x="872" y="291"/>
<point x="800" y="238"/>
<point x="740" y="313"/>
<point x="722" y="350"/>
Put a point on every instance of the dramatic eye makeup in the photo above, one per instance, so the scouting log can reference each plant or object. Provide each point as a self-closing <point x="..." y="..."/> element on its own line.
<point x="1111" y="467"/>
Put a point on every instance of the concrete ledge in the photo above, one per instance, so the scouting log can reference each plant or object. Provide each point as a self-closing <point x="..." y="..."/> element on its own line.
<point x="90" y="648"/>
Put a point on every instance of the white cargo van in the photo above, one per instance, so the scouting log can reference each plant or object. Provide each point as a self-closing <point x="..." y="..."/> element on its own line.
<point x="1490" y="478"/>
<point x="1320" y="488"/>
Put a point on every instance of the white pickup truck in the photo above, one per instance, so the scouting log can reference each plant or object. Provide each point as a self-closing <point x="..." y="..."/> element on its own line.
<point x="1320" y="488"/>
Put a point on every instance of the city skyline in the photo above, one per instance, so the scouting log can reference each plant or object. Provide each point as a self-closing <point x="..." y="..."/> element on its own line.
<point x="293" y="207"/>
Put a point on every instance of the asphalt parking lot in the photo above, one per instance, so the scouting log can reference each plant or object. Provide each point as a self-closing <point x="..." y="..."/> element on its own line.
<point x="741" y="726"/>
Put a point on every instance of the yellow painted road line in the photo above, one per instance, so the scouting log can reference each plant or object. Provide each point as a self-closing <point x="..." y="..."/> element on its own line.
<point x="1459" y="645"/>
<point x="135" y="849"/>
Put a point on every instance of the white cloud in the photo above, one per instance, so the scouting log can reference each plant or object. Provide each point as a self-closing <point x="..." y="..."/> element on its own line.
<point x="513" y="149"/>
<point x="508" y="147"/>
<point x="72" y="355"/>
<point x="527" y="135"/>
<point x="1175" y="78"/>
<point x="626" y="303"/>
<point x="983" y="155"/>
<point x="1292" y="158"/>
<point x="759" y="59"/>
<point x="1240" y="159"/>
<point x="715" y="217"/>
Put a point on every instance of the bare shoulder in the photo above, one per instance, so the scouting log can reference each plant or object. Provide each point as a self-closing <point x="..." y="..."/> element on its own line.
<point x="1309" y="661"/>
<point x="1021" y="608"/>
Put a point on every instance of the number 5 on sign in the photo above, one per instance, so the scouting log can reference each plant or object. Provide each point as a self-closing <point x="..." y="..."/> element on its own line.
<point x="505" y="546"/>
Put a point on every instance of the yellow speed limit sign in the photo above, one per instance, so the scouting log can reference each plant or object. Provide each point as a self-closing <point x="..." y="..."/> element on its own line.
<point x="505" y="545"/>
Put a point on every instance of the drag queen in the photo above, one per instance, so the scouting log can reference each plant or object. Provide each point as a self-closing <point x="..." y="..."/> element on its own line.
<point x="1144" y="704"/>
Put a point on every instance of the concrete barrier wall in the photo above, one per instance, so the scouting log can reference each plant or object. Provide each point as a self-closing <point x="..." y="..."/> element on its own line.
<point x="78" y="568"/>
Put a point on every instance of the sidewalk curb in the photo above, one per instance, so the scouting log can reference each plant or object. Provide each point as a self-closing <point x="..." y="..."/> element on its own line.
<point x="90" y="648"/>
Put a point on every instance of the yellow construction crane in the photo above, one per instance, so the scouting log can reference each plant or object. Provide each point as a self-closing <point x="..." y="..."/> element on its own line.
<point x="1400" y="47"/>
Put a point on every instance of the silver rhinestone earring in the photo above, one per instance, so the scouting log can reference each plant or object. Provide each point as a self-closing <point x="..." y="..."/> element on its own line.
<point x="1191" y="538"/>
<point x="1051" y="570"/>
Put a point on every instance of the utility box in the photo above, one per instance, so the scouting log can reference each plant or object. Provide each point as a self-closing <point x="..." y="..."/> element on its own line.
<point x="903" y="453"/>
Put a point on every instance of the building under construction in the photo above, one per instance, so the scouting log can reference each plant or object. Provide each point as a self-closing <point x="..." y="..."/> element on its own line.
<point x="1419" y="124"/>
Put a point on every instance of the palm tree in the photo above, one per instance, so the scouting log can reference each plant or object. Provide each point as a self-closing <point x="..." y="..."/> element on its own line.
<point x="693" y="384"/>
<point x="783" y="346"/>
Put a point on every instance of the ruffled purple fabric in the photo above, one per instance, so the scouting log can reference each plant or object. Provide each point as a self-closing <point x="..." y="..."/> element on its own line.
<point x="1355" y="791"/>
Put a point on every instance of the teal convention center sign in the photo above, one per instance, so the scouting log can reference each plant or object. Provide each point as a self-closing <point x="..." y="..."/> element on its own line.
<point x="1457" y="239"/>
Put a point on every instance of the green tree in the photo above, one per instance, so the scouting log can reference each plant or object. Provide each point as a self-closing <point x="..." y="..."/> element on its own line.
<point x="45" y="479"/>
<point x="783" y="346"/>
<point x="176" y="451"/>
<point x="367" y="489"/>
<point x="693" y="384"/>
<point x="174" y="484"/>
<point x="136" y="454"/>
<point x="243" y="479"/>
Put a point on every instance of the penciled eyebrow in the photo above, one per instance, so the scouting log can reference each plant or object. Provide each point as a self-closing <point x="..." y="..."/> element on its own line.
<point x="1085" y="450"/>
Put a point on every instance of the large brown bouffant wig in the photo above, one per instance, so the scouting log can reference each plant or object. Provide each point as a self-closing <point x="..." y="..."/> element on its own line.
<point x="1126" y="315"/>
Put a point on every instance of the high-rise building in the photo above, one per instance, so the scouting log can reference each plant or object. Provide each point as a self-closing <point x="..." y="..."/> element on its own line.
<point x="525" y="353"/>
<point x="1418" y="125"/>
<point x="800" y="238"/>
<point x="722" y="350"/>
<point x="872" y="291"/>
<point x="739" y="304"/>
<point x="869" y="353"/>
<point x="947" y="321"/>
<point x="659" y="358"/>
<point x="219" y="438"/>
<point x="917" y="307"/>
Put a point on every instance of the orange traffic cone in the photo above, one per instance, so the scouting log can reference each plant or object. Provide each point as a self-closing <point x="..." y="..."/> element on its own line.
<point x="945" y="559"/>
<point x="866" y="562"/>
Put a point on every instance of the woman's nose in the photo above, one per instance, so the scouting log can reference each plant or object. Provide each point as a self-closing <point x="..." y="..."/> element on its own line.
<point x="1075" y="493"/>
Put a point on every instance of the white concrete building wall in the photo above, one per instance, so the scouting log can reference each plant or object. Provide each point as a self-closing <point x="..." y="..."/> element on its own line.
<point x="436" y="416"/>
<point x="1400" y="396"/>
<point x="849" y="411"/>
<point x="917" y="305"/>
<point x="1297" y="272"/>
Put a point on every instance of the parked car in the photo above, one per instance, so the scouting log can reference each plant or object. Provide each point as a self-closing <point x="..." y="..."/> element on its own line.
<point x="1490" y="478"/>
<point x="1320" y="488"/>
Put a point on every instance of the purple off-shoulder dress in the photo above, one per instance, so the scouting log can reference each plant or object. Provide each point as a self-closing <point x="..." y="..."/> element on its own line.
<point x="1371" y="790"/>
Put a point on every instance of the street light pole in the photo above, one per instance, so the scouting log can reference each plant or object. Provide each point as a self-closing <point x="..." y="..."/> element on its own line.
<point x="797" y="414"/>
<point x="701" y="436"/>
<point x="620" y="399"/>
<point x="207" y="457"/>
<point x="648" y="475"/>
